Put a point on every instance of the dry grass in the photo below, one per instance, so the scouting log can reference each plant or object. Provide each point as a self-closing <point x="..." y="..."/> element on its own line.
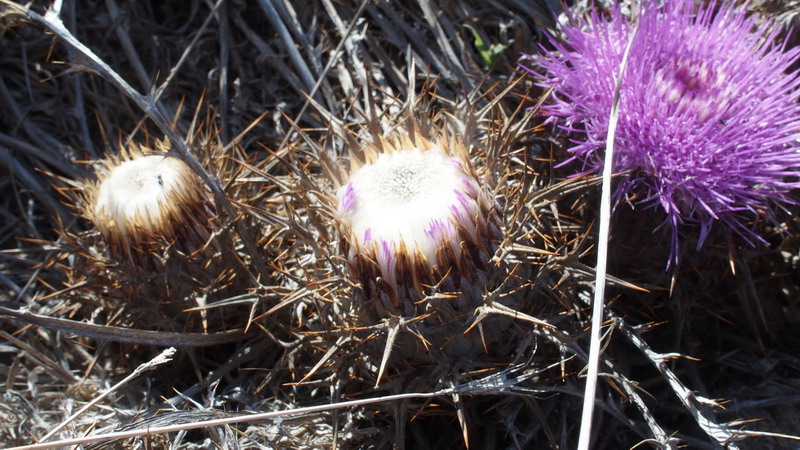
<point x="267" y="98"/>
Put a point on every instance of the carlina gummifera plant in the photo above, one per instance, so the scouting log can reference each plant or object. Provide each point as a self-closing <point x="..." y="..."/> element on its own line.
<point x="155" y="254"/>
<point x="413" y="213"/>
<point x="431" y="257"/>
<point x="144" y="201"/>
<point x="709" y="116"/>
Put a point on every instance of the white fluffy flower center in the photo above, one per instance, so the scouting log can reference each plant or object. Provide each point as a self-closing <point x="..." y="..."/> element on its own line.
<point x="413" y="197"/>
<point x="135" y="190"/>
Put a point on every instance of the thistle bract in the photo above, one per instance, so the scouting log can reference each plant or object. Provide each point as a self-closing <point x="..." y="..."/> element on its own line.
<point x="709" y="116"/>
<point x="410" y="215"/>
<point x="143" y="202"/>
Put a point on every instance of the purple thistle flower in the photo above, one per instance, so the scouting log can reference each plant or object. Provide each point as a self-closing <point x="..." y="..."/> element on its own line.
<point x="709" y="116"/>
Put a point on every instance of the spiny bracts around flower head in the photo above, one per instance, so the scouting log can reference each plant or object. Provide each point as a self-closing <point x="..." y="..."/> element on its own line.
<point x="154" y="255"/>
<point x="709" y="116"/>
<point x="412" y="213"/>
<point x="144" y="201"/>
<point x="474" y="314"/>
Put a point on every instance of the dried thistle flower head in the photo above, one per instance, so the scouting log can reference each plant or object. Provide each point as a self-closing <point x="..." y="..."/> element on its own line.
<point x="412" y="213"/>
<point x="709" y="116"/>
<point x="143" y="202"/>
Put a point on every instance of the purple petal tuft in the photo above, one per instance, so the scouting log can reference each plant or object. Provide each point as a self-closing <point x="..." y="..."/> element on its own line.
<point x="709" y="119"/>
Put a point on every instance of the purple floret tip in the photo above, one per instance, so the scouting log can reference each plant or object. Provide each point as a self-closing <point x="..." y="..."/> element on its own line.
<point x="348" y="198"/>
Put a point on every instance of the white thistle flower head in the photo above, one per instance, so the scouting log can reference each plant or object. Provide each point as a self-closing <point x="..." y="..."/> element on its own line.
<point x="143" y="202"/>
<point x="414" y="212"/>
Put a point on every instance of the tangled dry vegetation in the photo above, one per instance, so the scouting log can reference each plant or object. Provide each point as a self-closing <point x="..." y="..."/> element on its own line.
<point x="273" y="338"/>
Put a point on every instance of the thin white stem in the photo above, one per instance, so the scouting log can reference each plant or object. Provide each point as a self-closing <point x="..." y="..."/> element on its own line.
<point x="162" y="358"/>
<point x="602" y="258"/>
<point x="149" y="431"/>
